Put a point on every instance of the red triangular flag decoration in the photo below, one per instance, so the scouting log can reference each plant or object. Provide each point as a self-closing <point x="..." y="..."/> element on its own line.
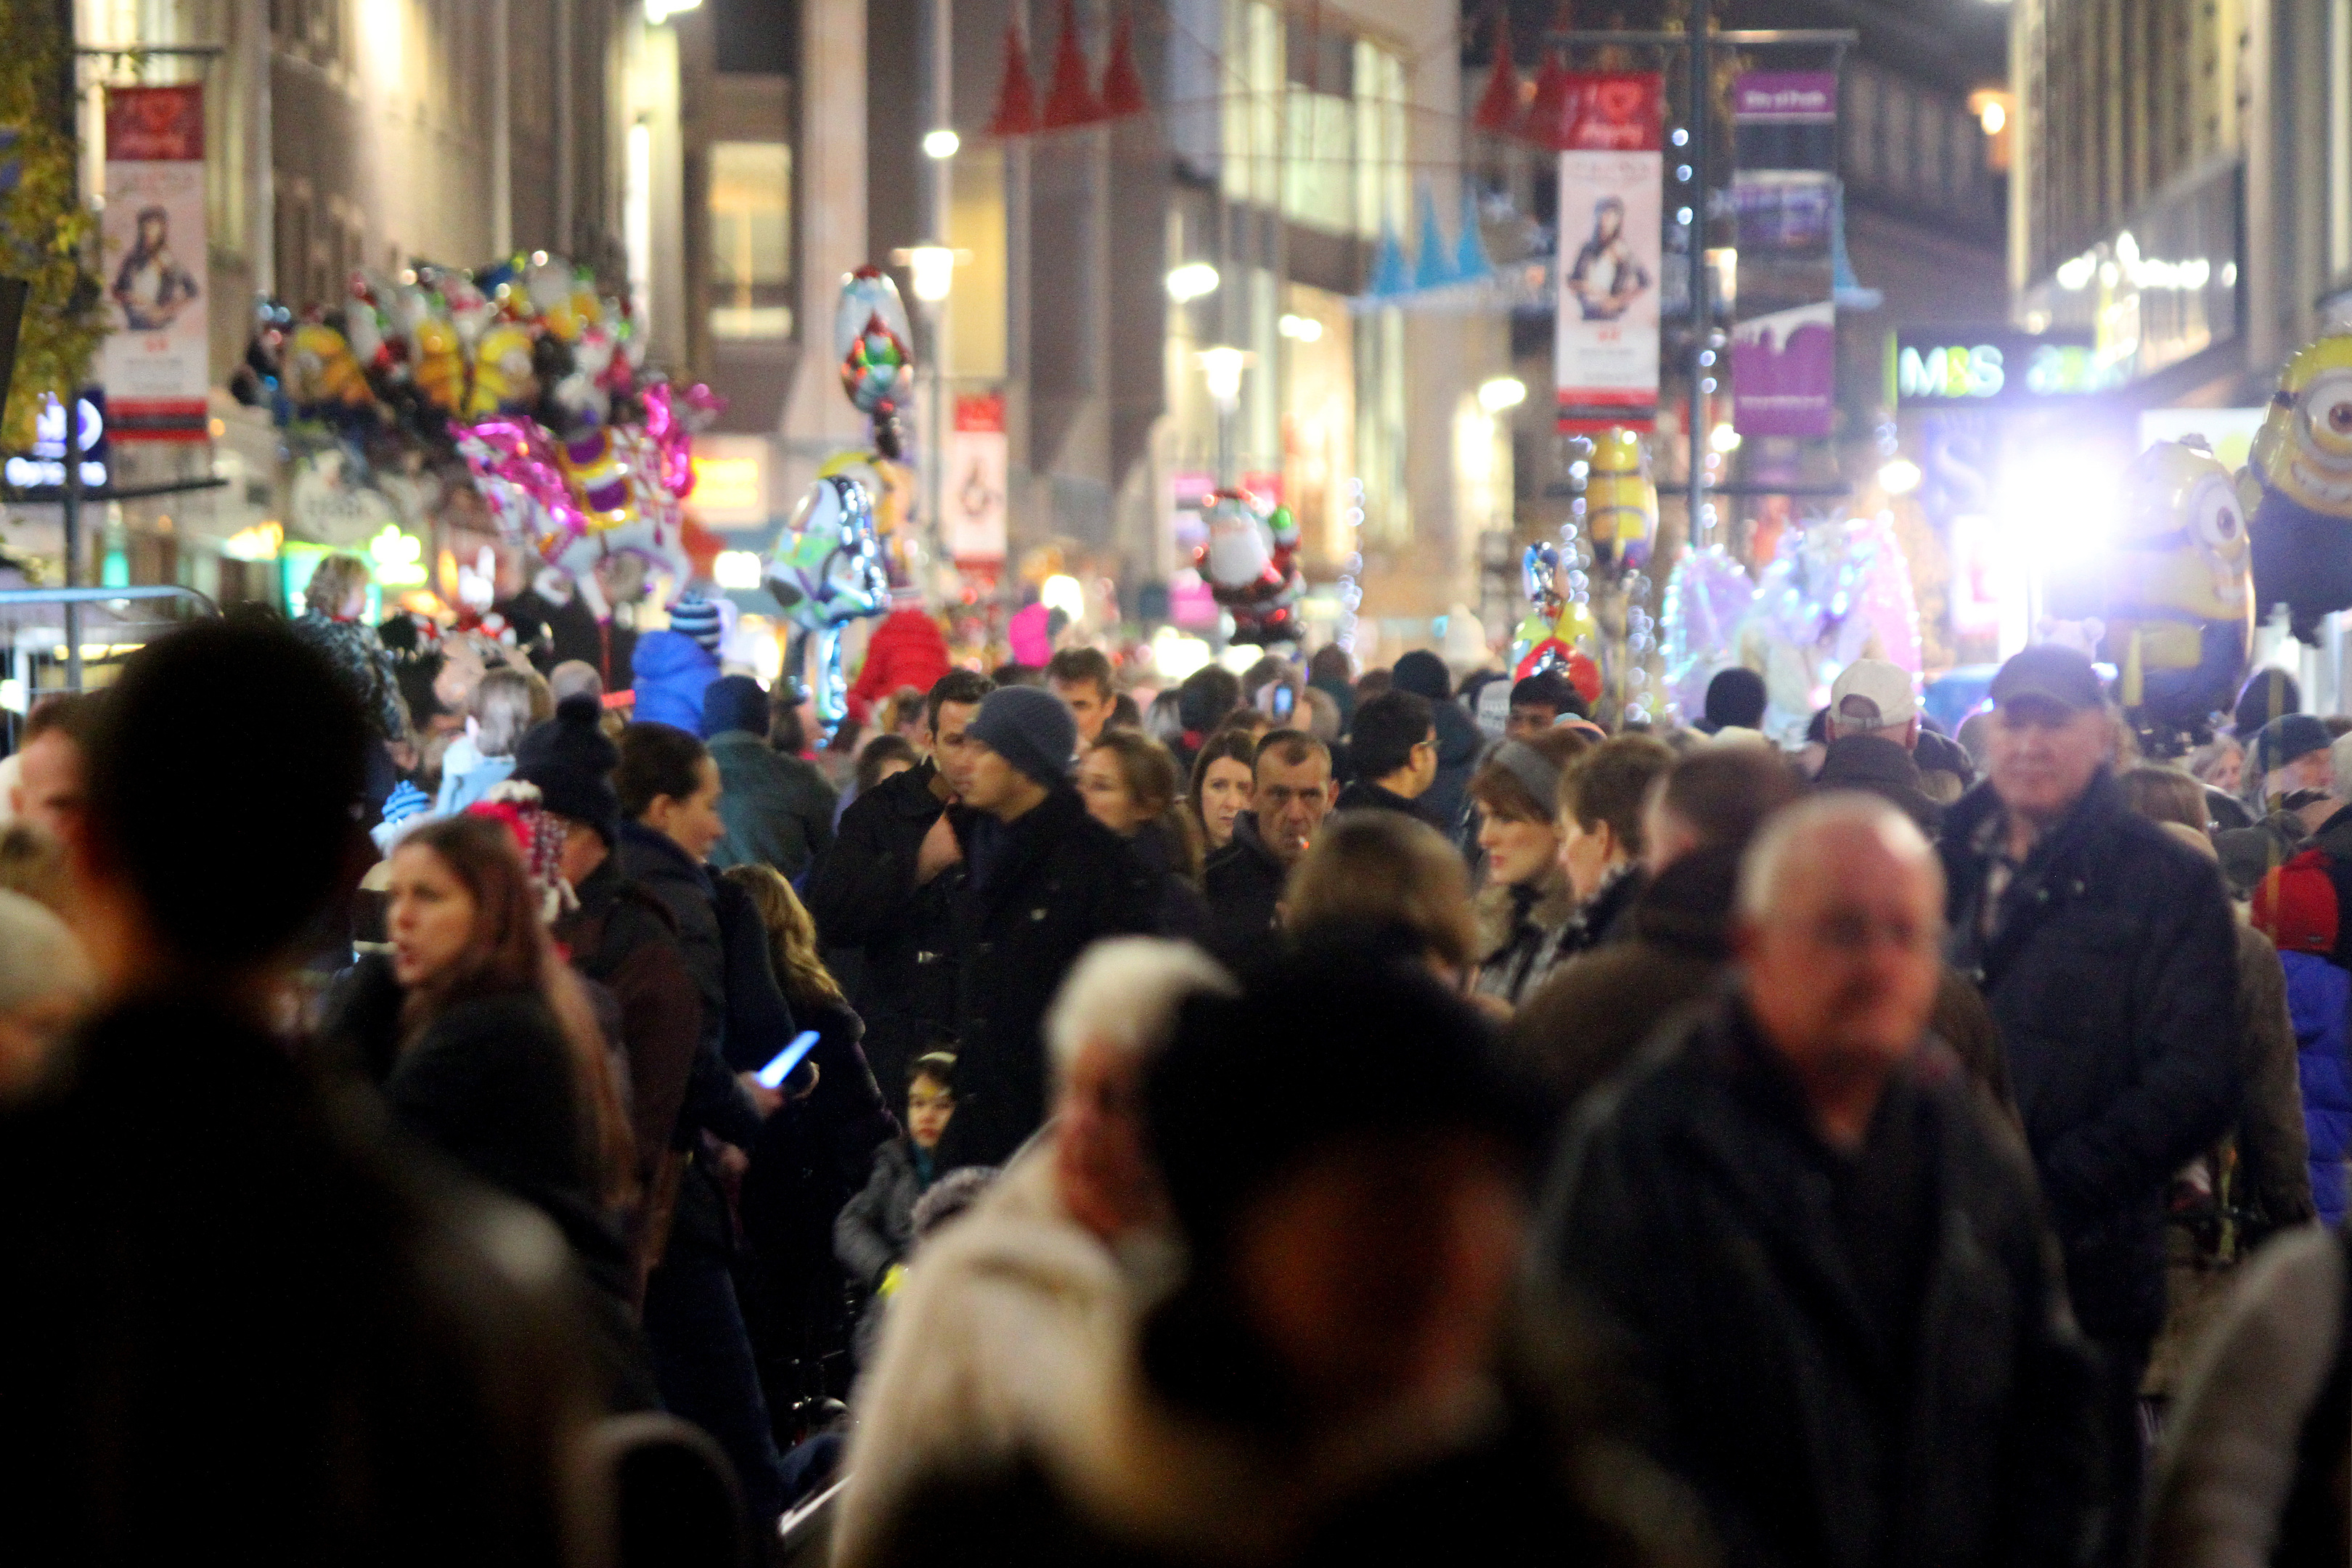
<point x="1122" y="84"/>
<point x="1069" y="98"/>
<point x="1498" y="106"/>
<point x="1016" y="95"/>
<point x="1543" y="122"/>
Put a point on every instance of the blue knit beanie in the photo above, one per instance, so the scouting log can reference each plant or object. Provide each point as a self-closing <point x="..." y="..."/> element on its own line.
<point x="1031" y="729"/>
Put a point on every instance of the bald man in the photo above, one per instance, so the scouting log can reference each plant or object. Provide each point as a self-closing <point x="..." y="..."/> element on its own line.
<point x="1826" y="1257"/>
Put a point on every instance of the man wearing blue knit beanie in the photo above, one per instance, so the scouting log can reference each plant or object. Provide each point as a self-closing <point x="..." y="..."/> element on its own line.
<point x="1046" y="879"/>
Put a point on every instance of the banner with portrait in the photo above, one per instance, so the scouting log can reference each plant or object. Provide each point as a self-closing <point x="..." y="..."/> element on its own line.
<point x="1611" y="238"/>
<point x="156" y="363"/>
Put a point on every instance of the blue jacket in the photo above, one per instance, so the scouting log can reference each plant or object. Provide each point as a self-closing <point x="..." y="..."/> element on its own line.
<point x="671" y="672"/>
<point x="2319" y="999"/>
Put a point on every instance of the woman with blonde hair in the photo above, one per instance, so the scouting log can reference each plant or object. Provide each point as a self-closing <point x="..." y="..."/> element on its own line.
<point x="811" y="1158"/>
<point x="333" y="601"/>
<point x="1388" y="876"/>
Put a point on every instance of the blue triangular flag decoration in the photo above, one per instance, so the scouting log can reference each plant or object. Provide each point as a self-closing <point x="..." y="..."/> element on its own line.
<point x="1471" y="261"/>
<point x="1390" y="273"/>
<point x="1433" y="268"/>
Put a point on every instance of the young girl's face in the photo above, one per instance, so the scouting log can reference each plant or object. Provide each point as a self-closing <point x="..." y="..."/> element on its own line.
<point x="929" y="1103"/>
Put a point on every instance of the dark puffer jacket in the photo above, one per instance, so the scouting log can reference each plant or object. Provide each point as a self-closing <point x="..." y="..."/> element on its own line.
<point x="877" y="1227"/>
<point x="1042" y="887"/>
<point x="1938" y="1411"/>
<point x="2112" y="971"/>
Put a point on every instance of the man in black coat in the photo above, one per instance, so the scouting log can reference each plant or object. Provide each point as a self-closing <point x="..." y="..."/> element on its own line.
<point x="887" y="888"/>
<point x="1827" y="1258"/>
<point x="1244" y="881"/>
<point x="2107" y="953"/>
<point x="1395" y="750"/>
<point x="1043" y="879"/>
<point x="253" y="1327"/>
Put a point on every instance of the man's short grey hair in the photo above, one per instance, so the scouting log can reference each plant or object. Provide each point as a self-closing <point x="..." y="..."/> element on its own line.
<point x="39" y="956"/>
<point x="1766" y="862"/>
<point x="2339" y="761"/>
<point x="1125" y="993"/>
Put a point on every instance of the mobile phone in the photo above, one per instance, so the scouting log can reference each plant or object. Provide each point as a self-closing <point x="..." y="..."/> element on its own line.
<point x="780" y="1067"/>
<point x="1285" y="700"/>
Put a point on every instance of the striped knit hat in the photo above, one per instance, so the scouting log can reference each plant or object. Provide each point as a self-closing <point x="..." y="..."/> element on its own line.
<point x="695" y="616"/>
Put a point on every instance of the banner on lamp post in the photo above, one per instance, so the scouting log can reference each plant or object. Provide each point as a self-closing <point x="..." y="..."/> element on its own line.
<point x="979" y="458"/>
<point x="1612" y="237"/>
<point x="1784" y="202"/>
<point x="156" y="363"/>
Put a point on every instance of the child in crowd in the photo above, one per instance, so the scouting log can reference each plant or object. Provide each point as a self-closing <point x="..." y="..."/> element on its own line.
<point x="878" y="1226"/>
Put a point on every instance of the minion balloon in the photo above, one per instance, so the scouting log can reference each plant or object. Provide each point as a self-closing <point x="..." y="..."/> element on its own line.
<point x="2180" y="595"/>
<point x="2302" y="471"/>
<point x="1621" y="504"/>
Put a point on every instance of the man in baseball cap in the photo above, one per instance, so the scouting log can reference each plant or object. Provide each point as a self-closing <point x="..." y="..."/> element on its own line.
<point x="1874" y="727"/>
<point x="2107" y="953"/>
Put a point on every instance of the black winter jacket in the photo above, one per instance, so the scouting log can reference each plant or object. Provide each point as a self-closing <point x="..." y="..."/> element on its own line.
<point x="490" y="1084"/>
<point x="1041" y="890"/>
<point x="1243" y="883"/>
<point x="2112" y="971"/>
<point x="1938" y="1413"/>
<point x="714" y="1103"/>
<point x="863" y="896"/>
<point x="625" y="939"/>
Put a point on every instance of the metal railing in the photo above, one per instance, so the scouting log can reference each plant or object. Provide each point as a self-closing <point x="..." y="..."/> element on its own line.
<point x="72" y="599"/>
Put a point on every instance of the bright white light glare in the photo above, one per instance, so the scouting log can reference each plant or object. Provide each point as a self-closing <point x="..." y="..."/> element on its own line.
<point x="1683" y="216"/>
<point x="1306" y="328"/>
<point x="1899" y="477"/>
<point x="1175" y="655"/>
<point x="1724" y="439"/>
<point x="1190" y="281"/>
<point x="2075" y="275"/>
<point x="737" y="569"/>
<point x="1222" y="368"/>
<point x="381" y="36"/>
<point x="1062" y="593"/>
<point x="934" y="269"/>
<point x="1502" y="392"/>
<point x="1240" y="655"/>
<point x="637" y="216"/>
<point x="940" y="143"/>
<point x="1995" y="118"/>
<point x="660" y="11"/>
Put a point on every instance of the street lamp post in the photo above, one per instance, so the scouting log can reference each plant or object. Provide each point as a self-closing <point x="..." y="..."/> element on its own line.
<point x="1222" y="368"/>
<point x="933" y="267"/>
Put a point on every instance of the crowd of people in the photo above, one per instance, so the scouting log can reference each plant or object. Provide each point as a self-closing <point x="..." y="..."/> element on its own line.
<point x="1269" y="1120"/>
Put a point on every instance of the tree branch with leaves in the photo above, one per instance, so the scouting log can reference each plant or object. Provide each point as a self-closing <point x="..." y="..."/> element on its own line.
<point x="46" y="231"/>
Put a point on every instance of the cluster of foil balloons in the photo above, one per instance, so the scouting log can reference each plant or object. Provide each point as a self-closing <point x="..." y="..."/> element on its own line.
<point x="1250" y="562"/>
<point x="1586" y="591"/>
<point x="519" y="380"/>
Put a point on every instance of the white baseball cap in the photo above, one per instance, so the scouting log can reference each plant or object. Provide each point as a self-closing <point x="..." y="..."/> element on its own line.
<point x="1871" y="694"/>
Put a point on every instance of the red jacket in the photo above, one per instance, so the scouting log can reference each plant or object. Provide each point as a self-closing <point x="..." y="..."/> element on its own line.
<point x="907" y="649"/>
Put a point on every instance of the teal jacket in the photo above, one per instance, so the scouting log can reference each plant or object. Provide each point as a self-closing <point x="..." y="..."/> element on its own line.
<point x="779" y="810"/>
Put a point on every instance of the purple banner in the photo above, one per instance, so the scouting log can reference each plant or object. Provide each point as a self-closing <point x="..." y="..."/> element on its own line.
<point x="1784" y="200"/>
